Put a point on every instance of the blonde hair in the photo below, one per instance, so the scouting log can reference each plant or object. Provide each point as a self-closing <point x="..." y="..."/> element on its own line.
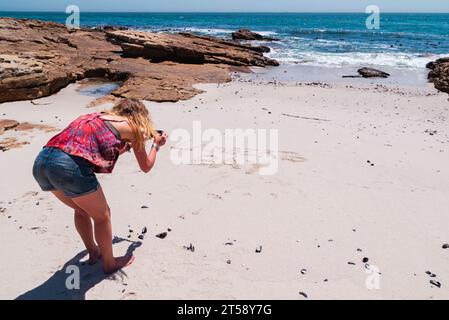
<point x="138" y="117"/>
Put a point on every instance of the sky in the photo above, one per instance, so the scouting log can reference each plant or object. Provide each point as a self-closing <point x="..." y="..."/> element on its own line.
<point x="228" y="5"/>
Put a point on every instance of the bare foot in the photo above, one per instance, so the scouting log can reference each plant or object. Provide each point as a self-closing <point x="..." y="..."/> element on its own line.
<point x="120" y="263"/>
<point x="94" y="256"/>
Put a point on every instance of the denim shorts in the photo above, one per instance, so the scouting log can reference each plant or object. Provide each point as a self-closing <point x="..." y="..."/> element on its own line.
<point x="56" y="170"/>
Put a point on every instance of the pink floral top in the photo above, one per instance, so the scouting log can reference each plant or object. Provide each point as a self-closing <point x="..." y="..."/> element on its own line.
<point x="92" y="138"/>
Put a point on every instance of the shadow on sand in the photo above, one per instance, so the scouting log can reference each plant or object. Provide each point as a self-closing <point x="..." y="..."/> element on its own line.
<point x="55" y="287"/>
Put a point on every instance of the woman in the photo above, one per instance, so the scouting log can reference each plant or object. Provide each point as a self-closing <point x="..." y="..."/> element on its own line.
<point x="92" y="143"/>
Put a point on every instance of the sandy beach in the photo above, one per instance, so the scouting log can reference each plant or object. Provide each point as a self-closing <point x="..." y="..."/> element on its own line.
<point x="360" y="194"/>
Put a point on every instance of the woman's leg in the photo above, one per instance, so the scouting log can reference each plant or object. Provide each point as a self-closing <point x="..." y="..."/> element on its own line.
<point x="83" y="224"/>
<point x="95" y="205"/>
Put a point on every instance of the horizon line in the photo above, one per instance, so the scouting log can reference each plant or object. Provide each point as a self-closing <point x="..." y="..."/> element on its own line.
<point x="190" y="12"/>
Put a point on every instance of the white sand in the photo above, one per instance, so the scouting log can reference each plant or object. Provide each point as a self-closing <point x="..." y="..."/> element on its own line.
<point x="303" y="217"/>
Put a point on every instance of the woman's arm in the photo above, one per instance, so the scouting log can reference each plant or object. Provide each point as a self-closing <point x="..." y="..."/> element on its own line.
<point x="146" y="161"/>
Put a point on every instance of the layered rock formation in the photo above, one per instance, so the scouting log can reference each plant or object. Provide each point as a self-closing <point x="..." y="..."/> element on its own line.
<point x="439" y="74"/>
<point x="188" y="48"/>
<point x="39" y="58"/>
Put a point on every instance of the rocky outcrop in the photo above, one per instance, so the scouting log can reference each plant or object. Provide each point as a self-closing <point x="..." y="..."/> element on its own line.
<point x="246" y="34"/>
<point x="187" y="48"/>
<point x="439" y="74"/>
<point x="39" y="58"/>
<point x="372" y="73"/>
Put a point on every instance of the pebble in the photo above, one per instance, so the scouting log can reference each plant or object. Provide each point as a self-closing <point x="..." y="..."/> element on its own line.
<point x="351" y="263"/>
<point x="162" y="235"/>
<point x="259" y="249"/>
<point x="144" y="230"/>
<point x="304" y="294"/>
<point x="435" y="283"/>
<point x="141" y="237"/>
<point x="365" y="260"/>
<point x="190" y="248"/>
<point x="303" y="271"/>
<point x="445" y="246"/>
<point x="143" y="207"/>
<point x="228" y="262"/>
<point x="431" y="274"/>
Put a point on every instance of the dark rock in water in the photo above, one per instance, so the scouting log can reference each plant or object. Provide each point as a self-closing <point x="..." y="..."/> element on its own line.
<point x="304" y="294"/>
<point x="365" y="260"/>
<point x="141" y="237"/>
<point x="259" y="249"/>
<point x="144" y="207"/>
<point x="351" y="263"/>
<point x="246" y="34"/>
<point x="372" y="73"/>
<point x="435" y="283"/>
<point x="445" y="246"/>
<point x="439" y="74"/>
<point x="144" y="230"/>
<point x="162" y="235"/>
<point x="169" y="230"/>
<point x="228" y="262"/>
<point x="303" y="271"/>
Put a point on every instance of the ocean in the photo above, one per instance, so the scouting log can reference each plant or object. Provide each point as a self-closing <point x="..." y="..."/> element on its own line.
<point x="403" y="41"/>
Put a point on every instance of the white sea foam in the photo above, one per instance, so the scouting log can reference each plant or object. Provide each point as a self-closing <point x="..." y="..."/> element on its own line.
<point x="395" y="60"/>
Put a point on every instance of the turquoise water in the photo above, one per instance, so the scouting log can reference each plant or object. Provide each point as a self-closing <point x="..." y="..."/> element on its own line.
<point x="325" y="39"/>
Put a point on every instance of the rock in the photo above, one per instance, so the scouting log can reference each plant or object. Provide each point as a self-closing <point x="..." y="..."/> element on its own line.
<point x="187" y="48"/>
<point x="445" y="246"/>
<point x="162" y="235"/>
<point x="228" y="261"/>
<point x="141" y="237"/>
<point x="439" y="74"/>
<point x="365" y="260"/>
<point x="190" y="248"/>
<point x="304" y="294"/>
<point x="39" y="58"/>
<point x="246" y="34"/>
<point x="435" y="283"/>
<point x="144" y="230"/>
<point x="259" y="249"/>
<point x="144" y="207"/>
<point x="303" y="271"/>
<point x="372" y="73"/>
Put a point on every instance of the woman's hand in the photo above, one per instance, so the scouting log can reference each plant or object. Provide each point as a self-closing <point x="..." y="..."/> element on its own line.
<point x="160" y="139"/>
